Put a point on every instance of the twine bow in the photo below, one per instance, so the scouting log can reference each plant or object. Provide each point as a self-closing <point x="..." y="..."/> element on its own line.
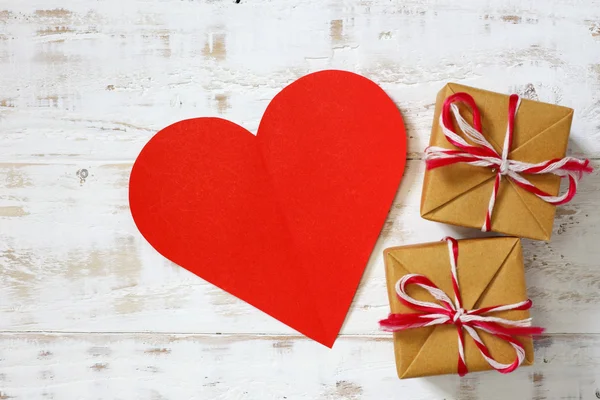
<point x="483" y="154"/>
<point x="452" y="313"/>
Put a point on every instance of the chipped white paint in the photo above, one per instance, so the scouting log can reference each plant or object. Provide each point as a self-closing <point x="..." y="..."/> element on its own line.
<point x="98" y="270"/>
<point x="85" y="84"/>
<point x="150" y="366"/>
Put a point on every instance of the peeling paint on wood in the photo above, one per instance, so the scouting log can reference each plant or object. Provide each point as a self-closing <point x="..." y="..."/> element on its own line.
<point x="222" y="103"/>
<point x="114" y="281"/>
<point x="513" y="19"/>
<point x="7" y="102"/>
<point x="347" y="390"/>
<point x="99" y="366"/>
<point x="97" y="351"/>
<point x="12" y="211"/>
<point x="215" y="46"/>
<point x="283" y="345"/>
<point x="158" y="351"/>
<point x="57" y="30"/>
<point x="232" y="367"/>
<point x="336" y="31"/>
<point x="56" y="13"/>
<point x="564" y="211"/>
<point x="152" y="68"/>
<point x="103" y="77"/>
<point x="538" y="379"/>
<point x="5" y="15"/>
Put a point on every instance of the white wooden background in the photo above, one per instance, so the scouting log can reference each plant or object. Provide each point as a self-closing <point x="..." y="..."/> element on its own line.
<point x="88" y="310"/>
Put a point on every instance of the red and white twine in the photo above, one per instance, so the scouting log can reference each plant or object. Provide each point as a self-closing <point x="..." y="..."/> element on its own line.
<point x="452" y="312"/>
<point x="483" y="154"/>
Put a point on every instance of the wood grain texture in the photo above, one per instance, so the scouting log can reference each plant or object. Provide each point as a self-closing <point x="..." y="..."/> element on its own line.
<point x="150" y="366"/>
<point x="84" y="85"/>
<point x="96" y="80"/>
<point x="73" y="260"/>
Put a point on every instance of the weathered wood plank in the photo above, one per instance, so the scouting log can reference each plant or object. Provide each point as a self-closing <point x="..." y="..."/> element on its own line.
<point x="65" y="367"/>
<point x="94" y="80"/>
<point x="71" y="259"/>
<point x="84" y="85"/>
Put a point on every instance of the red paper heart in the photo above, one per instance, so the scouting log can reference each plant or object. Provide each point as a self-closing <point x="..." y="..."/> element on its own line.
<point x="285" y="220"/>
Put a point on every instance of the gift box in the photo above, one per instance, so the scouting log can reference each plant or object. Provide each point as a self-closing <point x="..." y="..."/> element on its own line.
<point x="490" y="273"/>
<point x="460" y="192"/>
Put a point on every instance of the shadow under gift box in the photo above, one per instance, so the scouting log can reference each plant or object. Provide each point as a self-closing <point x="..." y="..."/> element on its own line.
<point x="490" y="273"/>
<point x="459" y="194"/>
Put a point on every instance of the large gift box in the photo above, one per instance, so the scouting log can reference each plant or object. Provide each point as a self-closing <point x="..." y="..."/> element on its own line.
<point x="459" y="193"/>
<point x="490" y="273"/>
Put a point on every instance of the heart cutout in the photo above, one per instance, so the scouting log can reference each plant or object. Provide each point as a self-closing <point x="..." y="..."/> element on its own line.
<point x="285" y="220"/>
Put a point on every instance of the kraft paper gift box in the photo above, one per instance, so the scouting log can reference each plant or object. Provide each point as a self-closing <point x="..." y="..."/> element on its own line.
<point x="490" y="273"/>
<point x="459" y="194"/>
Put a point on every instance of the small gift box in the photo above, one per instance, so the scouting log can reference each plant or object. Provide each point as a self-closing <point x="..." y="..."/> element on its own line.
<point x="495" y="162"/>
<point x="471" y="289"/>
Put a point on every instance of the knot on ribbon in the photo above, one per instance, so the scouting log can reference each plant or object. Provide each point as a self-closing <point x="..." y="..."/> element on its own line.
<point x="457" y="315"/>
<point x="483" y="154"/>
<point x="447" y="311"/>
<point x="504" y="167"/>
